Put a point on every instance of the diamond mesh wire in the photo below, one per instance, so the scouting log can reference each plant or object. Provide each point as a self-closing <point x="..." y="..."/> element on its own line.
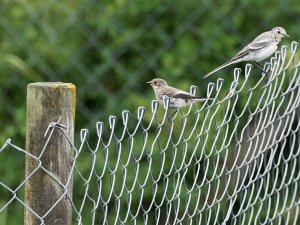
<point x="226" y="165"/>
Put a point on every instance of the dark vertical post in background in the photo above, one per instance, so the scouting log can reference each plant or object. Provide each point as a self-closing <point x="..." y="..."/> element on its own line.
<point x="46" y="103"/>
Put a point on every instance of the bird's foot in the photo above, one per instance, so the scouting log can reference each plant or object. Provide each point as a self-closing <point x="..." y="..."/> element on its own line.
<point x="261" y="67"/>
<point x="173" y="115"/>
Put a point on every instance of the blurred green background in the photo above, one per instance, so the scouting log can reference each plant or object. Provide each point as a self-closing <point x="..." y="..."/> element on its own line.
<point x="110" y="48"/>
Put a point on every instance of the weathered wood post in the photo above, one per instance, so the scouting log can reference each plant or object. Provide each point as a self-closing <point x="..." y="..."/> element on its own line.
<point x="46" y="103"/>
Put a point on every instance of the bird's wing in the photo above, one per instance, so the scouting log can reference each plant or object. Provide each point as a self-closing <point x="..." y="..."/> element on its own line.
<point x="172" y="92"/>
<point x="176" y="93"/>
<point x="187" y="96"/>
<point x="259" y="42"/>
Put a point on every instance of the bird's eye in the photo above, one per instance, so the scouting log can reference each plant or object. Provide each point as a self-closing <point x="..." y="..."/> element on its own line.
<point x="155" y="82"/>
<point x="278" y="31"/>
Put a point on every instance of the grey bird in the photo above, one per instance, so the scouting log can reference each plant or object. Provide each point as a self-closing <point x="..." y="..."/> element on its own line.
<point x="178" y="98"/>
<point x="262" y="47"/>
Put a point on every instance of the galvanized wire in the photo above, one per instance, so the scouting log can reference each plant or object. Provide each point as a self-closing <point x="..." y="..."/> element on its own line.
<point x="223" y="165"/>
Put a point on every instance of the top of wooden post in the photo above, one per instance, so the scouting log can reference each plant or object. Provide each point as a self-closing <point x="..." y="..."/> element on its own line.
<point x="51" y="94"/>
<point x="52" y="85"/>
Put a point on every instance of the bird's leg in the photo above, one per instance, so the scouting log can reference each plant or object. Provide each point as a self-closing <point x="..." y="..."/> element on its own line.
<point x="174" y="113"/>
<point x="260" y="66"/>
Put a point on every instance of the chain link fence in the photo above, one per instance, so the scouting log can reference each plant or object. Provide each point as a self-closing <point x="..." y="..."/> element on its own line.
<point x="226" y="164"/>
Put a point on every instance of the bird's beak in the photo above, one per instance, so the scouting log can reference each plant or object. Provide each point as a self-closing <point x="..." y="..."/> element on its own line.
<point x="148" y="82"/>
<point x="286" y="35"/>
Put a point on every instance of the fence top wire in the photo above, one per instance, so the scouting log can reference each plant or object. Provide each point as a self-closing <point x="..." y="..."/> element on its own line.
<point x="212" y="163"/>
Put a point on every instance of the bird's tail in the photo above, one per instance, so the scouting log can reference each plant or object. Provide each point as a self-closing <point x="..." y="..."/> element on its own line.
<point x="220" y="67"/>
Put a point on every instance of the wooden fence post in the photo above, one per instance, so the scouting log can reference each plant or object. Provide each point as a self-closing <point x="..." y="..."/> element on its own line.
<point x="46" y="103"/>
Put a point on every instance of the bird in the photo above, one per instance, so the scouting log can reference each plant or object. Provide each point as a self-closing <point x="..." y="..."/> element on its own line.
<point x="262" y="47"/>
<point x="178" y="98"/>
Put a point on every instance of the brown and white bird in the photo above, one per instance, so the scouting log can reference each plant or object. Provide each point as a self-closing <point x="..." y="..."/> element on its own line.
<point x="262" y="47"/>
<point x="178" y="98"/>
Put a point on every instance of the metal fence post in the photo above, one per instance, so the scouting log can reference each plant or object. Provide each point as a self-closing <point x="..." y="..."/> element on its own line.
<point x="46" y="103"/>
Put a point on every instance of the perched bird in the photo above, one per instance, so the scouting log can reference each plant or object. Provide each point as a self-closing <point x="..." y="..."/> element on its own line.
<point x="262" y="47"/>
<point x="178" y="98"/>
